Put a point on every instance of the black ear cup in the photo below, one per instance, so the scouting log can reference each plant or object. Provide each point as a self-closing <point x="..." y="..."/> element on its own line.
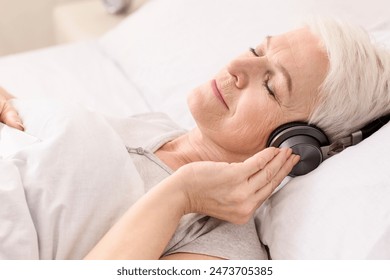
<point x="305" y="140"/>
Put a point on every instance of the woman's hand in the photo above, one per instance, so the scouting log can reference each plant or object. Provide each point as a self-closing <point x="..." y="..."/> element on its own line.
<point x="232" y="192"/>
<point x="8" y="113"/>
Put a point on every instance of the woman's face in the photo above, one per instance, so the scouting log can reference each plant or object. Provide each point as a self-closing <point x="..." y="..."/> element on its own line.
<point x="275" y="83"/>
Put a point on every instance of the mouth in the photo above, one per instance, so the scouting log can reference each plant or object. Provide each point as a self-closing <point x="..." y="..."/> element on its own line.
<point x="217" y="93"/>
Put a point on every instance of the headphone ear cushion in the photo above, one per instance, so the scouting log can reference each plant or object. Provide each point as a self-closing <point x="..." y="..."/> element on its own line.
<point x="305" y="140"/>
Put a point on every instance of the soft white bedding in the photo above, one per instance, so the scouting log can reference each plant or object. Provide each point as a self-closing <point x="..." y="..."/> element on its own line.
<point x="165" y="48"/>
<point x="63" y="188"/>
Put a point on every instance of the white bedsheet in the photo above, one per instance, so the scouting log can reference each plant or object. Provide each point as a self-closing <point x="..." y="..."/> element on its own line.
<point x="62" y="191"/>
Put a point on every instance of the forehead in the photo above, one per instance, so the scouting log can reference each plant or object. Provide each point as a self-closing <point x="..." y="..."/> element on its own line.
<point x="297" y="44"/>
<point x="300" y="52"/>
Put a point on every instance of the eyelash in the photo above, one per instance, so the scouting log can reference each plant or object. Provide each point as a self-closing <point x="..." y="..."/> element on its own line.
<point x="265" y="84"/>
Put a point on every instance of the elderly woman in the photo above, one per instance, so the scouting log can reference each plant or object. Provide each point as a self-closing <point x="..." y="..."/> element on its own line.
<point x="328" y="74"/>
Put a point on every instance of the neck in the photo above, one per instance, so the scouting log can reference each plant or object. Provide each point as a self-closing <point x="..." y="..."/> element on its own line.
<point x="191" y="147"/>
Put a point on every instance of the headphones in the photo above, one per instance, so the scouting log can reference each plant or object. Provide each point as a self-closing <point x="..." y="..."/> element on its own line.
<point x="312" y="144"/>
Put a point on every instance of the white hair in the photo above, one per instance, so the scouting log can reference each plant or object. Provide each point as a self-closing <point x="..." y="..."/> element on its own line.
<point x="356" y="89"/>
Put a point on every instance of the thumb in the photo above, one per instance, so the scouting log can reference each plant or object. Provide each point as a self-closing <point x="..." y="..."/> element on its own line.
<point x="10" y="117"/>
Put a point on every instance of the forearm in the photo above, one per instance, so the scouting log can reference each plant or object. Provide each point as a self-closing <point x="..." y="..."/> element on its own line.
<point x="146" y="228"/>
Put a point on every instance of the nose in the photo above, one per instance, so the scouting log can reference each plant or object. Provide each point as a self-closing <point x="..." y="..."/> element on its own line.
<point x="244" y="69"/>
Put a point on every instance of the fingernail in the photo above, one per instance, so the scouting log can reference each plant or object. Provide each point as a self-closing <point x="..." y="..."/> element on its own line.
<point x="277" y="150"/>
<point x="296" y="159"/>
<point x="20" y="124"/>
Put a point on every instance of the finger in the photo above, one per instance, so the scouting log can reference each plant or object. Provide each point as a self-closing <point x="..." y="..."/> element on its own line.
<point x="10" y="116"/>
<point x="267" y="174"/>
<point x="268" y="189"/>
<point x="257" y="162"/>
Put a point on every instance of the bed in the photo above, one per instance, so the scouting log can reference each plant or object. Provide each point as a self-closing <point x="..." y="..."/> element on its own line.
<point x="155" y="56"/>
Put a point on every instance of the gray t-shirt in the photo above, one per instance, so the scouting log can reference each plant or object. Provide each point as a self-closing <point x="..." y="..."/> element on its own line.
<point x="144" y="135"/>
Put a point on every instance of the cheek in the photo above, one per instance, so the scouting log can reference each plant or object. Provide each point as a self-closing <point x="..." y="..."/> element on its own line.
<point x="254" y="123"/>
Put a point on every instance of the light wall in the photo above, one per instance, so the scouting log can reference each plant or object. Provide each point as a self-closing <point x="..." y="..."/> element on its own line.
<point x="26" y="24"/>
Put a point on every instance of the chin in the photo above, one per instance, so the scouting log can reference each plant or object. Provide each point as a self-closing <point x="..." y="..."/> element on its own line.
<point x="195" y="104"/>
<point x="191" y="101"/>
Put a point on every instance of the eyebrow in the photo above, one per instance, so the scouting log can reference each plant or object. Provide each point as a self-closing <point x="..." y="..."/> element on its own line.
<point x="282" y="69"/>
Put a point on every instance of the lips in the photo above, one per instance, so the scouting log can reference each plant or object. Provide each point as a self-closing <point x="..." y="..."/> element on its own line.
<point x="217" y="93"/>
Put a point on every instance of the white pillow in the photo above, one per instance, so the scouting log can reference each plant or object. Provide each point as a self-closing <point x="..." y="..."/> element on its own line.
<point x="342" y="209"/>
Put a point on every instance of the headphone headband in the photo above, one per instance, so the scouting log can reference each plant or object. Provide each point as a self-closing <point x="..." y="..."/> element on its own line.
<point x="312" y="144"/>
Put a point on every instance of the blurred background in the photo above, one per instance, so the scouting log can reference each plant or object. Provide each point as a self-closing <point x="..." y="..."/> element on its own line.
<point x="32" y="24"/>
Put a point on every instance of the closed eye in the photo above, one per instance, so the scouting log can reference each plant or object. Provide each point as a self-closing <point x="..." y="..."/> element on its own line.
<point x="270" y="91"/>
<point x="253" y="51"/>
